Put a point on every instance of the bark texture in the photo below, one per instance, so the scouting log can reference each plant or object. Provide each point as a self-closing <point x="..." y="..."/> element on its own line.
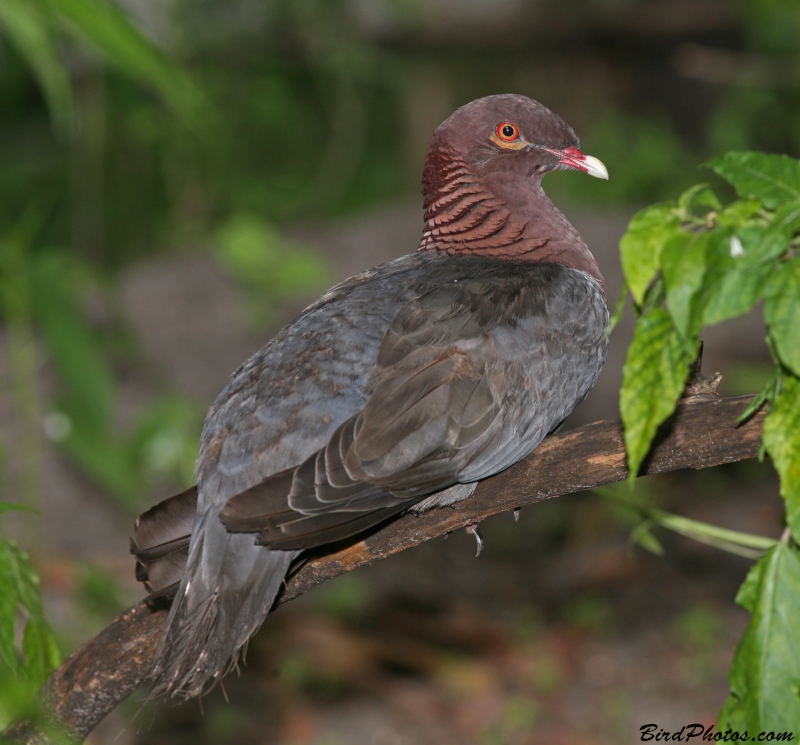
<point x="702" y="433"/>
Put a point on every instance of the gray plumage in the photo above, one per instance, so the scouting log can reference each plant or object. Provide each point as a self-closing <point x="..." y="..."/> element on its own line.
<point x="400" y="388"/>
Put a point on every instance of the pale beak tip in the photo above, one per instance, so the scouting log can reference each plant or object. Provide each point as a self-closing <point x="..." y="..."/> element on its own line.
<point x="595" y="167"/>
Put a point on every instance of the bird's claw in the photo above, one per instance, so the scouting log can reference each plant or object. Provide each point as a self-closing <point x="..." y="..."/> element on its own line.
<point x="474" y="531"/>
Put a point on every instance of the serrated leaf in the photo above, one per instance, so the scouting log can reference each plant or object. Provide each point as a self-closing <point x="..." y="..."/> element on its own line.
<point x="653" y="378"/>
<point x="765" y="673"/>
<point x="772" y="179"/>
<point x="782" y="441"/>
<point x="39" y="650"/>
<point x="19" y="586"/>
<point x="782" y="312"/>
<point x="640" y="247"/>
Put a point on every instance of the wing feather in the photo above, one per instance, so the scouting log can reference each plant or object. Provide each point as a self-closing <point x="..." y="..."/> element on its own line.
<point x="466" y="382"/>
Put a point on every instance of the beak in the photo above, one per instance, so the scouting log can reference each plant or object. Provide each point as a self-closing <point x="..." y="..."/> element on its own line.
<point x="571" y="157"/>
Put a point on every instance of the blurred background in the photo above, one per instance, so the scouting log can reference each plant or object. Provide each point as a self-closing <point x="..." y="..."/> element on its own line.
<point x="179" y="179"/>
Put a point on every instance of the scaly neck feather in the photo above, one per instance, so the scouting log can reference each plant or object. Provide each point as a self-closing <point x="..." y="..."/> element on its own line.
<point x="501" y="216"/>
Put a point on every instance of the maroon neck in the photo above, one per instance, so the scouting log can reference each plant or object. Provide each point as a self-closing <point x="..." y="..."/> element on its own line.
<point x="501" y="216"/>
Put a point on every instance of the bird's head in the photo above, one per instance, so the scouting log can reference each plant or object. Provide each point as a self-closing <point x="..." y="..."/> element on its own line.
<point x="504" y="136"/>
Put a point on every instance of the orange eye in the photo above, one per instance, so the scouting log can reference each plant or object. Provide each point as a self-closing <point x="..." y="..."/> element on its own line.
<point x="507" y="131"/>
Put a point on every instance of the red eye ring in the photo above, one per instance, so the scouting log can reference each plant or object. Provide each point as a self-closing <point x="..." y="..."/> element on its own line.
<point x="507" y="131"/>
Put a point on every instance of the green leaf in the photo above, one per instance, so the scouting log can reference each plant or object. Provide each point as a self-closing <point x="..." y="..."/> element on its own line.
<point x="619" y="310"/>
<point x="39" y="649"/>
<point x="105" y="27"/>
<point x="747" y="596"/>
<point x="765" y="673"/>
<point x="653" y="378"/>
<point x="736" y="283"/>
<point x="640" y="247"/>
<point x="8" y="609"/>
<point x="782" y="227"/>
<point x="735" y="294"/>
<point x="782" y="312"/>
<point x="28" y="24"/>
<point x="14" y="506"/>
<point x="683" y="264"/>
<point x="72" y="344"/>
<point x="699" y="195"/>
<point x="738" y="213"/>
<point x="643" y="536"/>
<point x="767" y="393"/>
<point x="743" y="544"/>
<point x="254" y="253"/>
<point x="19" y="586"/>
<point x="772" y="179"/>
<point x="782" y="441"/>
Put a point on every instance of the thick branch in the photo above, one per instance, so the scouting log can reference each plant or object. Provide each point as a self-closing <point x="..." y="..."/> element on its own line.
<point x="702" y="433"/>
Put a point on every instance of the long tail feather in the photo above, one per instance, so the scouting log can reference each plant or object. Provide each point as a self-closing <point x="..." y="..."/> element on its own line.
<point x="228" y="588"/>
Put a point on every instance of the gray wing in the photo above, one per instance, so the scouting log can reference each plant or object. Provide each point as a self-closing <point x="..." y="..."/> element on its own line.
<point x="280" y="406"/>
<point x="470" y="377"/>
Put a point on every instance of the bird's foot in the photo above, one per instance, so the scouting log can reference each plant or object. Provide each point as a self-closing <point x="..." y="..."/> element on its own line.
<point x="474" y="531"/>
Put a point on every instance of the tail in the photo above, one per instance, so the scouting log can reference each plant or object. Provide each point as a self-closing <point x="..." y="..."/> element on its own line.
<point x="228" y="587"/>
<point x="161" y="543"/>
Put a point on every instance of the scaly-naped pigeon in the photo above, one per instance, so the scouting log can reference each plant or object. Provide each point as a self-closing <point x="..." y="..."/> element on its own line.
<point x="398" y="389"/>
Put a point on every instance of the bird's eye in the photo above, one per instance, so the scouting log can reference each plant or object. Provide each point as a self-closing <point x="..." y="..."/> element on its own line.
<point x="507" y="131"/>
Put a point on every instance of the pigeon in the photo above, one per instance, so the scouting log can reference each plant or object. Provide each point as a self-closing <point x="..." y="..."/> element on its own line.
<point x="399" y="389"/>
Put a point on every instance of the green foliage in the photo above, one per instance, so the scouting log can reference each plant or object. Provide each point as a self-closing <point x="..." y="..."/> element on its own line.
<point x="782" y="312"/>
<point x="30" y="27"/>
<point x="34" y="27"/>
<point x="273" y="269"/>
<point x="652" y="381"/>
<point x="25" y="663"/>
<point x="765" y="674"/>
<point x="782" y="441"/>
<point x="742" y="544"/>
<point x="640" y="247"/>
<point x="770" y="179"/>
<point x="715" y="263"/>
<point x="162" y="443"/>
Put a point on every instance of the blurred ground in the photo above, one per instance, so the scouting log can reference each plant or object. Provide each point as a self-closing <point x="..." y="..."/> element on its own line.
<point x="561" y="632"/>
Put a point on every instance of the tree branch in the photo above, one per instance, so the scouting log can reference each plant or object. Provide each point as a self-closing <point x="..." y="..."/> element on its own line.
<point x="702" y="433"/>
